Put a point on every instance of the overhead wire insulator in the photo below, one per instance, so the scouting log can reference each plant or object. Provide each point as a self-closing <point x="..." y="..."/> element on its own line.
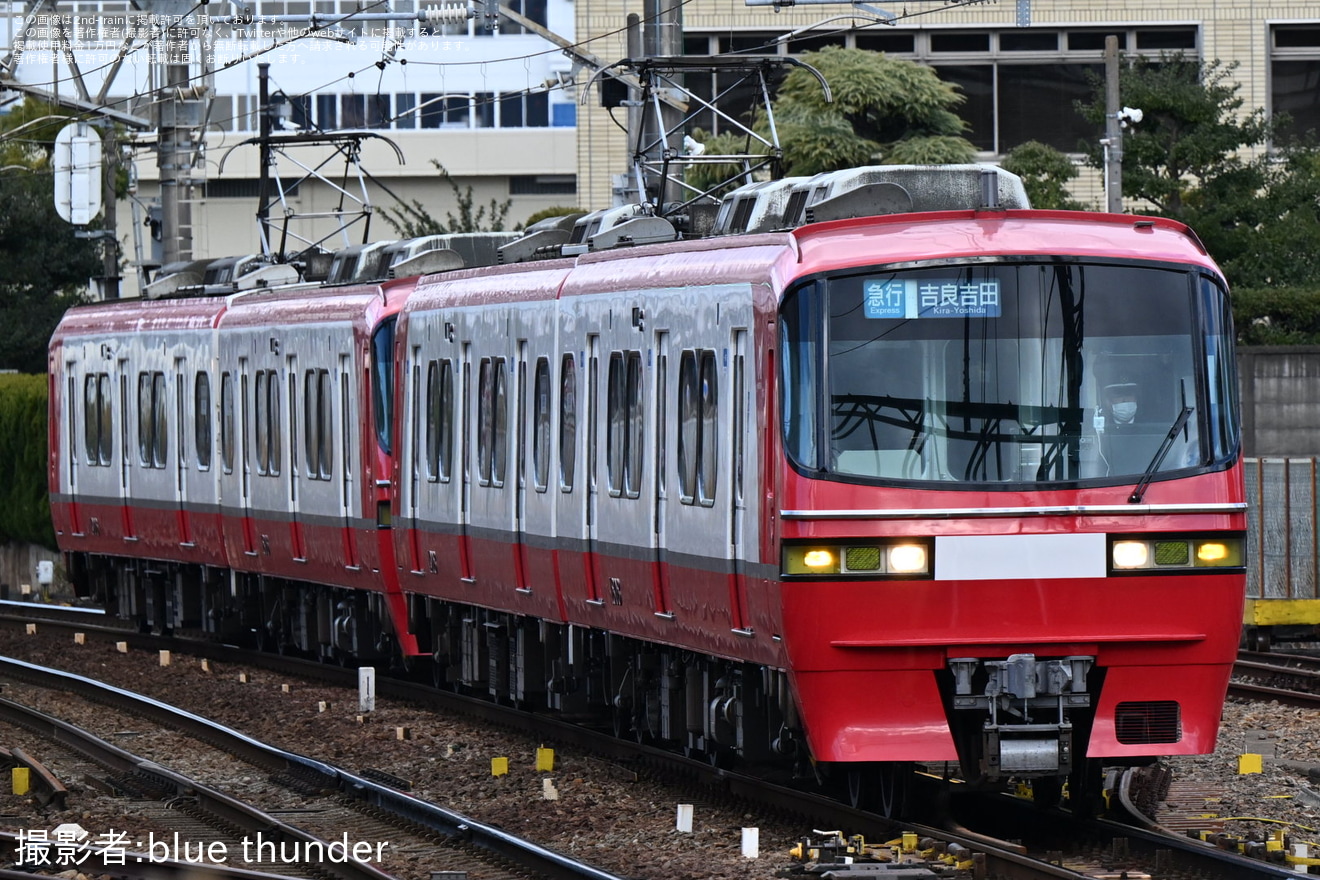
<point x="447" y="13"/>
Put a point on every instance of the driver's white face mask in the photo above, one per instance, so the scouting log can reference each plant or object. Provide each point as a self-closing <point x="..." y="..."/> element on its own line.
<point x="1125" y="411"/>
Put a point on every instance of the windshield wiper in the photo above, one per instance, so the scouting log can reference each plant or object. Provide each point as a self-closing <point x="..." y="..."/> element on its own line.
<point x="1178" y="424"/>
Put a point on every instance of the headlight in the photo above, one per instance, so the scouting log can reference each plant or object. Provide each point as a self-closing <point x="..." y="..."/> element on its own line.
<point x="1175" y="553"/>
<point x="896" y="559"/>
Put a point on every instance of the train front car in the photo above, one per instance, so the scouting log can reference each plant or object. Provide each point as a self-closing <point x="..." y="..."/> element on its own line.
<point x="1010" y="494"/>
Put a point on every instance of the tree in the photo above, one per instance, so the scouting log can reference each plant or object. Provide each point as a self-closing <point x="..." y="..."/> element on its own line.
<point x="1194" y="137"/>
<point x="411" y="219"/>
<point x="885" y="111"/>
<point x="1199" y="155"/>
<point x="1045" y="173"/>
<point x="44" y="267"/>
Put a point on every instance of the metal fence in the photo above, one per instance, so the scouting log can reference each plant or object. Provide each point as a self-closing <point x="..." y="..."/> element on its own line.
<point x="1282" y="560"/>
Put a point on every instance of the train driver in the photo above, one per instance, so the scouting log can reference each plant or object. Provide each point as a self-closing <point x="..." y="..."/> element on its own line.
<point x="1120" y="402"/>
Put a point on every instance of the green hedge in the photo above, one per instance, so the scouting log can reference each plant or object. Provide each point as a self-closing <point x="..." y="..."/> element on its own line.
<point x="1277" y="316"/>
<point x="24" y="502"/>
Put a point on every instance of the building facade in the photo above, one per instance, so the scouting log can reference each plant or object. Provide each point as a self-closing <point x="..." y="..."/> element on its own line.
<point x="1021" y="65"/>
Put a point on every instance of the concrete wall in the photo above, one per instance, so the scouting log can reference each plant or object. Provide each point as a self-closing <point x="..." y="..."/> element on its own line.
<point x="1280" y="388"/>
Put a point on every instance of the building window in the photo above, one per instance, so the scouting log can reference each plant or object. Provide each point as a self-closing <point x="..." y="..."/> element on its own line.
<point x="327" y="112"/>
<point x="1006" y="75"/>
<point x="445" y="111"/>
<point x="522" y="110"/>
<point x="405" y="110"/>
<point x="542" y="184"/>
<point x="1295" y="77"/>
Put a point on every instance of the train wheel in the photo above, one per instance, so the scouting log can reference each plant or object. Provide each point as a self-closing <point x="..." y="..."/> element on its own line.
<point x="880" y="788"/>
<point x="1258" y="639"/>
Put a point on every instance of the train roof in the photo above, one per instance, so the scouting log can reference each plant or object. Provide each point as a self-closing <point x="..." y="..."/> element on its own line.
<point x="317" y="305"/>
<point x="128" y="316"/>
<point x="903" y="238"/>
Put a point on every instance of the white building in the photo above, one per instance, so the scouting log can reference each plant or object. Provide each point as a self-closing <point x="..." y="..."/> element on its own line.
<point x="491" y="106"/>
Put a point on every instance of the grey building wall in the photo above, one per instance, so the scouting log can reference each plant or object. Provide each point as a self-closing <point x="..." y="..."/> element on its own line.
<point x="1280" y="388"/>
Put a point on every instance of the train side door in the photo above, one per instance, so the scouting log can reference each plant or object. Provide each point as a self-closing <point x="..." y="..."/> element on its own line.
<point x="347" y="456"/>
<point x="412" y="456"/>
<point x="245" y="457"/>
<point x="520" y="456"/>
<point x="464" y="428"/>
<point x="125" y="470"/>
<point x="661" y="422"/>
<point x="738" y="544"/>
<point x="593" y="436"/>
<point x="297" y="541"/>
<point x="181" y="410"/>
<point x="68" y="436"/>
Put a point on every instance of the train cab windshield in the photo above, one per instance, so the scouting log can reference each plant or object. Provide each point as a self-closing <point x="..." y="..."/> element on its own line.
<point x="1005" y="373"/>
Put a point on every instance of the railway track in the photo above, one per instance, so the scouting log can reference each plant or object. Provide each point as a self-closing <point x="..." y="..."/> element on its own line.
<point x="331" y="798"/>
<point x="989" y="836"/>
<point x="1291" y="679"/>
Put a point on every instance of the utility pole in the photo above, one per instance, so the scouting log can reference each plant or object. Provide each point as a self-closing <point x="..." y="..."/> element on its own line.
<point x="662" y="37"/>
<point x="110" y="161"/>
<point x="1113" y="141"/>
<point x="179" y="116"/>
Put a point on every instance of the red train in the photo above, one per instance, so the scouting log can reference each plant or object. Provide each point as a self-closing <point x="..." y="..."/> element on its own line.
<point x="957" y="484"/>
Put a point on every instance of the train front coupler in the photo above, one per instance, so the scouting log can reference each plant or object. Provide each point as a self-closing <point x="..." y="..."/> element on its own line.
<point x="1027" y="731"/>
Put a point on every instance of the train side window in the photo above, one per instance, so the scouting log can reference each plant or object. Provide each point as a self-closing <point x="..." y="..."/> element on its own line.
<point x="541" y="425"/>
<point x="432" y="417"/>
<point x="632" y="465"/>
<point x="708" y="436"/>
<point x="485" y="419"/>
<point x="267" y="401"/>
<point x="146" y="420"/>
<point x="274" y="428"/>
<point x="91" y="419"/>
<point x="567" y="422"/>
<point x="105" y="408"/>
<point x="161" y="437"/>
<point x="500" y="448"/>
<point x="153" y="420"/>
<point x="98" y="429"/>
<point x="227" y="422"/>
<point x="310" y="421"/>
<point x="318" y="424"/>
<point x="260" y="402"/>
<point x="689" y="426"/>
<point x="615" y="424"/>
<point x="445" y="418"/>
<point x="202" y="419"/>
<point x="326" y="425"/>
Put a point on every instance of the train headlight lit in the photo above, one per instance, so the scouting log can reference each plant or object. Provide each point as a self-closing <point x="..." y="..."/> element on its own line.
<point x="907" y="559"/>
<point x="1218" y="553"/>
<point x="1175" y="553"/>
<point x="819" y="560"/>
<point x="1131" y="554"/>
<point x="807" y="559"/>
<point x="903" y="559"/>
